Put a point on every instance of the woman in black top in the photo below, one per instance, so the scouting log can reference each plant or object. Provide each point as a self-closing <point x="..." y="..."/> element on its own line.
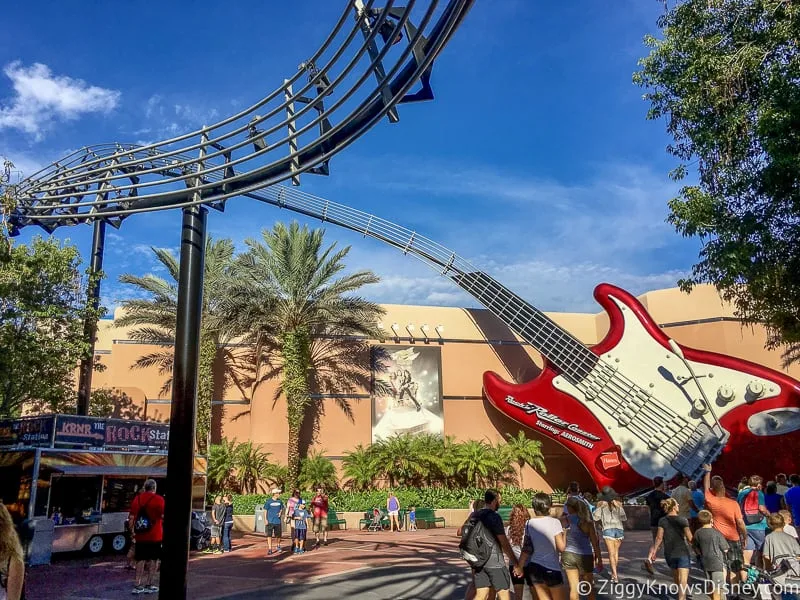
<point x="674" y="532"/>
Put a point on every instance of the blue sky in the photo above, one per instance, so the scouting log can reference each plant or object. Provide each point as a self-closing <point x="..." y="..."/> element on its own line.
<point x="534" y="161"/>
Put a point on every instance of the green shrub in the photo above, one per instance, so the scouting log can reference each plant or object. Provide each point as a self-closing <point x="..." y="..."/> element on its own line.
<point x="352" y="501"/>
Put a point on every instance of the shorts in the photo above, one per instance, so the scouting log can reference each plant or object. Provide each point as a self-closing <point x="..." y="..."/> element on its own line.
<point x="614" y="534"/>
<point x="514" y="579"/>
<point x="497" y="578"/>
<point x="717" y="578"/>
<point x="394" y="513"/>
<point x="300" y="534"/>
<point x="584" y="563"/>
<point x="216" y="531"/>
<point x="147" y="551"/>
<point x="273" y="530"/>
<point x="679" y="562"/>
<point x="320" y="524"/>
<point x="542" y="575"/>
<point x="755" y="539"/>
<point x="735" y="559"/>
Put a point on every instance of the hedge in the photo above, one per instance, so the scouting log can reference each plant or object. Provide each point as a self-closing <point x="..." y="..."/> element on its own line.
<point x="349" y="501"/>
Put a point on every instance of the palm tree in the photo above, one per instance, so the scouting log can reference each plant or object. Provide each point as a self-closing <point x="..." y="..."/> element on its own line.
<point x="315" y="470"/>
<point x="154" y="318"/>
<point x="525" y="451"/>
<point x="252" y="466"/>
<point x="360" y="466"/>
<point x="221" y="464"/>
<point x="475" y="461"/>
<point x="397" y="459"/>
<point x="292" y="306"/>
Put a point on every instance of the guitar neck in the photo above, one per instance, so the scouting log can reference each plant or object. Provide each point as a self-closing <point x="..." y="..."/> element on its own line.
<point x="560" y="348"/>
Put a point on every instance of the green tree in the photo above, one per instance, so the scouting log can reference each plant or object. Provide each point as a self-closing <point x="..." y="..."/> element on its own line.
<point x="524" y="451"/>
<point x="476" y="462"/>
<point x="361" y="468"/>
<point x="153" y="320"/>
<point x="42" y="309"/>
<point x="251" y="465"/>
<point x="221" y="464"/>
<point x="315" y="470"/>
<point x="303" y="325"/>
<point x="724" y="76"/>
<point x="398" y="460"/>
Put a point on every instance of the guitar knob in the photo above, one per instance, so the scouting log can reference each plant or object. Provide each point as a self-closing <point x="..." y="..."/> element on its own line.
<point x="725" y="393"/>
<point x="699" y="406"/>
<point x="755" y="389"/>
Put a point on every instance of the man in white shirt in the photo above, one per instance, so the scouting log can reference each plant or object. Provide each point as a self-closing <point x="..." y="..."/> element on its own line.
<point x="780" y="482"/>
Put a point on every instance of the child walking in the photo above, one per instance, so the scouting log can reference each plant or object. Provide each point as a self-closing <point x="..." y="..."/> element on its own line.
<point x="412" y="519"/>
<point x="301" y="519"/>
<point x="712" y="547"/>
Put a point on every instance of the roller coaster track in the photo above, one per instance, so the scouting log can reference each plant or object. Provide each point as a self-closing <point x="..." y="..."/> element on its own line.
<point x="359" y="75"/>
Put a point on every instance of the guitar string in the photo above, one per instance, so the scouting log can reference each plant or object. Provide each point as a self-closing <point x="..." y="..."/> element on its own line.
<point x="436" y="255"/>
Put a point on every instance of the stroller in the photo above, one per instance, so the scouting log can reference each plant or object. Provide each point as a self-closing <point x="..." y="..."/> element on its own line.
<point x="377" y="524"/>
<point x="780" y="583"/>
<point x="200" y="533"/>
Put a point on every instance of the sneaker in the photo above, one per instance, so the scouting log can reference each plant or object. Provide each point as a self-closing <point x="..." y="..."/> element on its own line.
<point x="139" y="589"/>
<point x="207" y="551"/>
<point x="325" y="542"/>
<point x="151" y="589"/>
<point x="217" y="551"/>
<point x="279" y="550"/>
<point x="270" y="552"/>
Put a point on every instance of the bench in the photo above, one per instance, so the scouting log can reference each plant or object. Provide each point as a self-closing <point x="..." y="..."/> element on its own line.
<point x="504" y="512"/>
<point x="427" y="516"/>
<point x="333" y="519"/>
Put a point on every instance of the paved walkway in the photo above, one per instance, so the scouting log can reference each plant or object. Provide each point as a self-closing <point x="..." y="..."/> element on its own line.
<point x="423" y="564"/>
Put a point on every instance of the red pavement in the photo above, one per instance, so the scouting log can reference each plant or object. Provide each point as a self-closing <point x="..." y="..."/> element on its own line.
<point x="249" y="569"/>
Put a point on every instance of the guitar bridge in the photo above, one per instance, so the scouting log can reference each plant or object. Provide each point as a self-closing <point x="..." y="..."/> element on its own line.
<point x="703" y="446"/>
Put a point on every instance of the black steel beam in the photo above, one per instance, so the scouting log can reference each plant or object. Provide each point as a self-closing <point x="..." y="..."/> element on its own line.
<point x="178" y="496"/>
<point x="90" y="324"/>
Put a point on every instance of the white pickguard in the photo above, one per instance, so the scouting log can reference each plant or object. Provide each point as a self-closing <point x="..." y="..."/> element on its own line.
<point x="660" y="372"/>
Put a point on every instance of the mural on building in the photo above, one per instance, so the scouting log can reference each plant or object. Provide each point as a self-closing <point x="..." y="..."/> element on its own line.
<point x="407" y="391"/>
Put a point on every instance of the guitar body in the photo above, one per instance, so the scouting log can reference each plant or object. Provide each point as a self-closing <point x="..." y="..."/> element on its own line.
<point x="757" y="408"/>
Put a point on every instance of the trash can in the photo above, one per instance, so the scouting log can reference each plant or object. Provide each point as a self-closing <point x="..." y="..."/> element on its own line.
<point x="40" y="547"/>
<point x="261" y="520"/>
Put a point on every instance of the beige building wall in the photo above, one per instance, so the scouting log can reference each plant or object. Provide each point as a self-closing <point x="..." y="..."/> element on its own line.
<point x="470" y="342"/>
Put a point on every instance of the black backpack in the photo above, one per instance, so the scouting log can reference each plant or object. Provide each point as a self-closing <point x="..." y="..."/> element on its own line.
<point x="142" y="524"/>
<point x="477" y="543"/>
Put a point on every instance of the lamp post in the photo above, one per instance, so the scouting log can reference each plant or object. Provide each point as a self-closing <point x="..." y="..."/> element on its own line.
<point x="180" y="461"/>
<point x="90" y="324"/>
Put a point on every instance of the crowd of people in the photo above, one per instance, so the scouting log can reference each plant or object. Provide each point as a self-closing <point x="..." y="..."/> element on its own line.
<point x="696" y="522"/>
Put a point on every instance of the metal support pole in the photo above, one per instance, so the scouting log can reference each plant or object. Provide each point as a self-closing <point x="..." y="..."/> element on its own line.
<point x="90" y="325"/>
<point x="178" y="496"/>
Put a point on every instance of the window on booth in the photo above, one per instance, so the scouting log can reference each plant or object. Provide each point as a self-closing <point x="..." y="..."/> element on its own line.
<point x="77" y="498"/>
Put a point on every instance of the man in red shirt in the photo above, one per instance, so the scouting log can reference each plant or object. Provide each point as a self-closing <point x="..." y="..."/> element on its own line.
<point x="146" y="524"/>
<point x="319" y="507"/>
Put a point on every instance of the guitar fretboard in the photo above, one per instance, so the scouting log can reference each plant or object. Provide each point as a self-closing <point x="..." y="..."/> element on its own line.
<point x="560" y="348"/>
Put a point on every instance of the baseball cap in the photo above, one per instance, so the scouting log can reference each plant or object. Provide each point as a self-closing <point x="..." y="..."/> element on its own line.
<point x="276" y="490"/>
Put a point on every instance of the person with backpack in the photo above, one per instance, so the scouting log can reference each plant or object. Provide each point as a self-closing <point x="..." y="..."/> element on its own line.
<point x="483" y="544"/>
<point x="755" y="513"/>
<point x="146" y="522"/>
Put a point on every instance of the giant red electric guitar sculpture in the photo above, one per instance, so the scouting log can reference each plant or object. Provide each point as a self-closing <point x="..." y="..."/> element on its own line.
<point x="634" y="406"/>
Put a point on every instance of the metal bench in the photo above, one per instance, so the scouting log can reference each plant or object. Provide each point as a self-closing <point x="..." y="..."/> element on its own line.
<point x="333" y="519"/>
<point x="427" y="517"/>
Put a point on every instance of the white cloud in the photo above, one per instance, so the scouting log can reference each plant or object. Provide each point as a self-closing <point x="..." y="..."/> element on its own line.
<point x="41" y="98"/>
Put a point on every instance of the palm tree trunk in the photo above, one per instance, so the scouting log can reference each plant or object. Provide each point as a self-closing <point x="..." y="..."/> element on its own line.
<point x="205" y="390"/>
<point x="521" y="482"/>
<point x="296" y="350"/>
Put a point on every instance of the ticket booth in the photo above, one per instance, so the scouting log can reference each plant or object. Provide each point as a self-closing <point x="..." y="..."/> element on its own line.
<point x="80" y="474"/>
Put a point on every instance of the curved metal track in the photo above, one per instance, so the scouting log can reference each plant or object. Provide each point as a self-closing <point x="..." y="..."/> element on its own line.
<point x="360" y="74"/>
